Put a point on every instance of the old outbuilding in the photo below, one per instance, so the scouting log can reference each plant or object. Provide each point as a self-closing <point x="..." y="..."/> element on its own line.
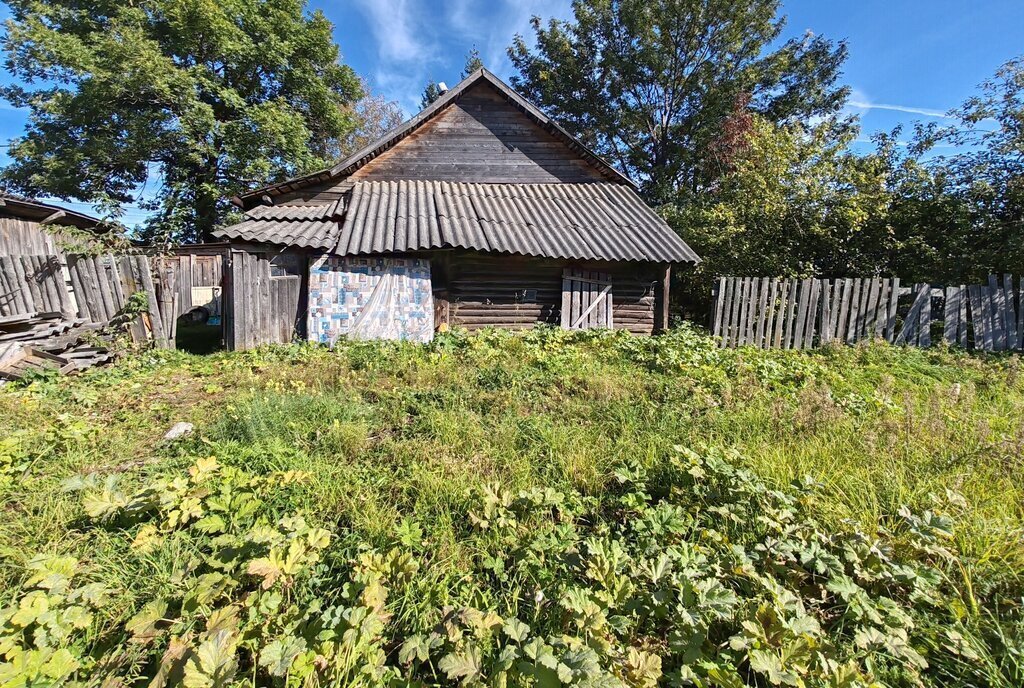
<point x="479" y="211"/>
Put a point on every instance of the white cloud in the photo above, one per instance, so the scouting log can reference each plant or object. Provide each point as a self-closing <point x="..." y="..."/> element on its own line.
<point x="396" y="27"/>
<point x="418" y="43"/>
<point x="861" y="101"/>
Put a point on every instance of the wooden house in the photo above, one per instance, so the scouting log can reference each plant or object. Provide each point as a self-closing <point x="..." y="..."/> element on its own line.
<point x="30" y="227"/>
<point x="479" y="211"/>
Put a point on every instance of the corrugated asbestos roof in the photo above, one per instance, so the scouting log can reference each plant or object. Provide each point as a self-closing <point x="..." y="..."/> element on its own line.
<point x="575" y="221"/>
<point x="308" y="226"/>
<point x="594" y="221"/>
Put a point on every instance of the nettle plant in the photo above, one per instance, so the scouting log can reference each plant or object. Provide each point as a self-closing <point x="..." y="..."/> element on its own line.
<point x="690" y="572"/>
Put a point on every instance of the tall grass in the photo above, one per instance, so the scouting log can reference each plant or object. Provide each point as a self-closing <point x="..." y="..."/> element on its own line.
<point x="393" y="433"/>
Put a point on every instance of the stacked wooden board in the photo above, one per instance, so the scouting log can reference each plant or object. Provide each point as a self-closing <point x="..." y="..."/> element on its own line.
<point x="39" y="341"/>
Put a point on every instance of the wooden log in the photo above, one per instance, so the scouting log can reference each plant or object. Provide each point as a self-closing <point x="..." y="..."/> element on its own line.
<point x="780" y="314"/>
<point x="566" y="312"/>
<point x="1020" y="312"/>
<point x="814" y="321"/>
<point x="81" y="298"/>
<point x="761" y="317"/>
<point x="925" y="333"/>
<point x="912" y="324"/>
<point x="770" y="312"/>
<point x="975" y="318"/>
<point x="854" y="310"/>
<point x="962" y="321"/>
<point x="734" y="318"/>
<point x="794" y="296"/>
<point x="894" y="299"/>
<point x="801" y="317"/>
<point x="825" y="329"/>
<point x="141" y="265"/>
<point x="107" y="273"/>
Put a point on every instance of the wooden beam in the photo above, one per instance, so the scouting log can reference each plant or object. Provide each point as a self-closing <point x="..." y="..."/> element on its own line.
<point x="661" y="301"/>
<point x="52" y="217"/>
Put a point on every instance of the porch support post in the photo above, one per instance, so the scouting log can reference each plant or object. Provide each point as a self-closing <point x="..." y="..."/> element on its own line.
<point x="661" y="298"/>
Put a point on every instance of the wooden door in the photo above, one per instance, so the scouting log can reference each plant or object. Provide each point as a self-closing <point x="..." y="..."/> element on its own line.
<point x="586" y="299"/>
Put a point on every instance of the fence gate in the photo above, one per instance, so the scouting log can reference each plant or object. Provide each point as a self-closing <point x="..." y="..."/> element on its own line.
<point x="586" y="299"/>
<point x="260" y="308"/>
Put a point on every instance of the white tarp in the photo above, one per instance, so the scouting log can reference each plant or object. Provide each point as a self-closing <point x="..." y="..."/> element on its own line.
<point x="370" y="298"/>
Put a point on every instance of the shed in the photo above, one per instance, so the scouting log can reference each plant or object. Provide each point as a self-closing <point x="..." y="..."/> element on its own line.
<point x="31" y="227"/>
<point x="479" y="211"/>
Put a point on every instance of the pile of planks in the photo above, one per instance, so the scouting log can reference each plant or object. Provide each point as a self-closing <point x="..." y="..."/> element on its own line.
<point x="39" y="341"/>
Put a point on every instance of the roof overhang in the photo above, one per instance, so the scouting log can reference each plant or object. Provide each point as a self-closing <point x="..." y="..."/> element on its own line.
<point x="46" y="213"/>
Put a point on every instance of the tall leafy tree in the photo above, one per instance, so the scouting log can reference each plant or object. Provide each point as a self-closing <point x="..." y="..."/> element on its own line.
<point x="650" y="84"/>
<point x="795" y="201"/>
<point x="958" y="209"/>
<point x="205" y="98"/>
<point x="375" y="116"/>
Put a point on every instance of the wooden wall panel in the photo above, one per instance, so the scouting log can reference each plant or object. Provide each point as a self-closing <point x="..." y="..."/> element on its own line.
<point x="479" y="138"/>
<point x="518" y="292"/>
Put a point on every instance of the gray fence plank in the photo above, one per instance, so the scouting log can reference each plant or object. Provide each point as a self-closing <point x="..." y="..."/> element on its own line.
<point x="951" y="315"/>
<point x="716" y="323"/>
<point x="1010" y="313"/>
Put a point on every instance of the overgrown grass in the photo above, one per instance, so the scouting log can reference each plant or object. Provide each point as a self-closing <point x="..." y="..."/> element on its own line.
<point x="398" y="443"/>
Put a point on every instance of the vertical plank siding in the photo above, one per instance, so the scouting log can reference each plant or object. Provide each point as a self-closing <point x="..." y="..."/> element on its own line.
<point x="771" y="313"/>
<point x="260" y="308"/>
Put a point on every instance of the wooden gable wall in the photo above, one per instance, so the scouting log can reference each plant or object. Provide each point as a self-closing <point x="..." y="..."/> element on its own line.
<point x="479" y="138"/>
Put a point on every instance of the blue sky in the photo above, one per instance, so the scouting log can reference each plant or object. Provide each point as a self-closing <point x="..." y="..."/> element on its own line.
<point x="909" y="59"/>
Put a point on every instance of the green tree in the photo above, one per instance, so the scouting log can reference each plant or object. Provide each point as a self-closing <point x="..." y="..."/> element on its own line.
<point x="795" y="202"/>
<point x="958" y="207"/>
<point x="473" y="62"/>
<point x="210" y="98"/>
<point x="431" y="93"/>
<point x="651" y="83"/>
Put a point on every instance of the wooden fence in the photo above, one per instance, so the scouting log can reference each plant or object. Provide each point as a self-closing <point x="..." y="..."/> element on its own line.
<point x="772" y="313"/>
<point x="93" y="289"/>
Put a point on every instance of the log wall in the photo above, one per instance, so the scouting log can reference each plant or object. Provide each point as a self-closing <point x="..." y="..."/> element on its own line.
<point x="518" y="292"/>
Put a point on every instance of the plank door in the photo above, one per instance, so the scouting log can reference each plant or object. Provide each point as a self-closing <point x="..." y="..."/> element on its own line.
<point x="586" y="299"/>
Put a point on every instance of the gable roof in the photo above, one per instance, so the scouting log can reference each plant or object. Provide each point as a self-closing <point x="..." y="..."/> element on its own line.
<point x="37" y="211"/>
<point x="352" y="163"/>
<point x="587" y="221"/>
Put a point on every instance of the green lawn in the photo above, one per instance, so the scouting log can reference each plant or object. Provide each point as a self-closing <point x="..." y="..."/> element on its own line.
<point x="542" y="509"/>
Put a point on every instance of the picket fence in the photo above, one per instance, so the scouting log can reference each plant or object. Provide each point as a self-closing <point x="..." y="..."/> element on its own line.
<point x="773" y="313"/>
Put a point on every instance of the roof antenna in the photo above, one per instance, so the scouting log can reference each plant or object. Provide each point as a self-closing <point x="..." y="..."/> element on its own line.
<point x="442" y="86"/>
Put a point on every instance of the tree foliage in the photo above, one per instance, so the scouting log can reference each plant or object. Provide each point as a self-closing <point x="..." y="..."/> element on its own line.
<point x="431" y="93"/>
<point x="473" y="62"/>
<point x="956" y="217"/>
<point x="652" y="84"/>
<point x="375" y="116"/>
<point x="210" y="98"/>
<point x="795" y="201"/>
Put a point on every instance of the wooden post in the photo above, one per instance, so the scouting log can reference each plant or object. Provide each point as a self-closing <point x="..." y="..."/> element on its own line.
<point x="661" y="301"/>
